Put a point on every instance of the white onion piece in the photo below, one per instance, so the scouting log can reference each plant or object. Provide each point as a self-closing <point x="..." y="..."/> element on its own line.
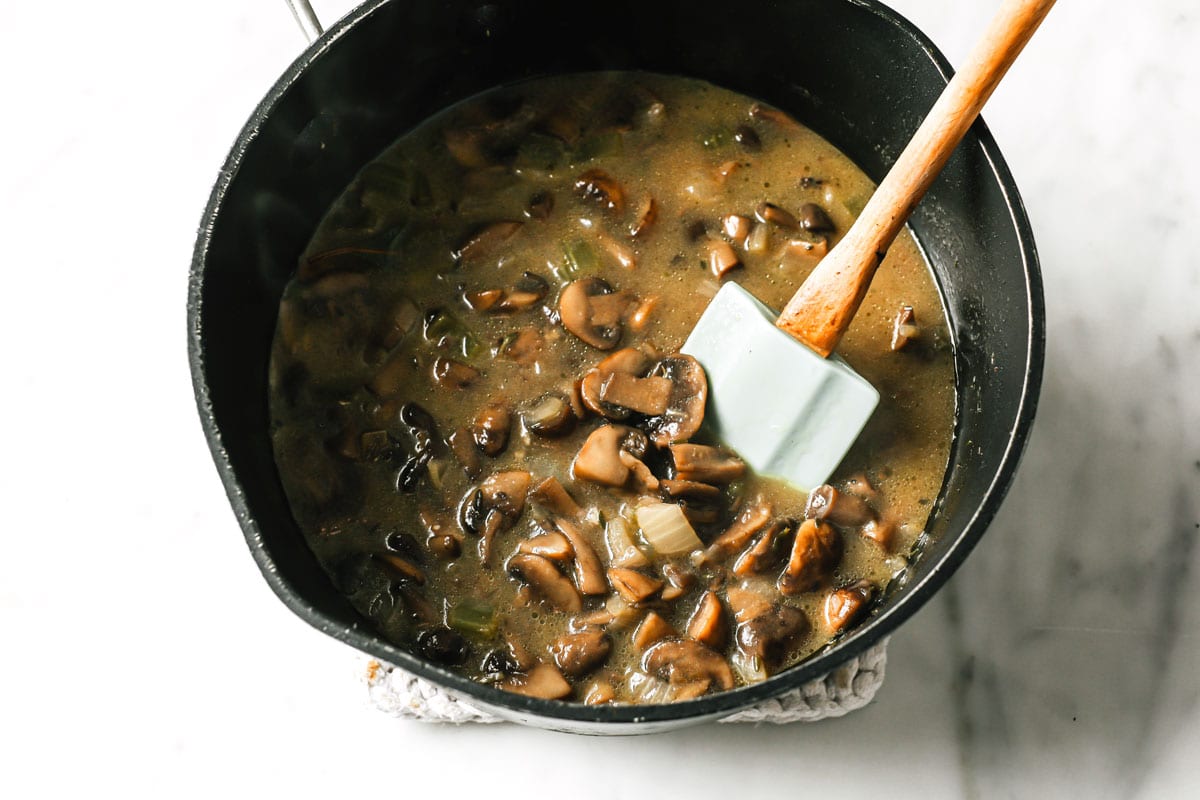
<point x="622" y="551"/>
<point x="667" y="530"/>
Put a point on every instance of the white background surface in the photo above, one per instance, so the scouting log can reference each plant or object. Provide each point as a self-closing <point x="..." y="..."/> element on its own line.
<point x="145" y="656"/>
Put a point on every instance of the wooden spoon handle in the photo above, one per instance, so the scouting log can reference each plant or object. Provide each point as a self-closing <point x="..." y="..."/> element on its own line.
<point x="822" y="308"/>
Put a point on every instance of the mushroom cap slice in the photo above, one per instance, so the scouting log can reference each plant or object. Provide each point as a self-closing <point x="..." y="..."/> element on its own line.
<point x="580" y="315"/>
<point x="686" y="404"/>
<point x="577" y="654"/>
<point x="589" y="572"/>
<point x="544" y="681"/>
<point x="687" y="661"/>
<point x="816" y="552"/>
<point x="599" y="459"/>
<point x="551" y="585"/>
<point x="708" y="624"/>
<point x="769" y="635"/>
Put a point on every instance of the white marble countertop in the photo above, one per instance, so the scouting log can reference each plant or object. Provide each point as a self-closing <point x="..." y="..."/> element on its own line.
<point x="147" y="656"/>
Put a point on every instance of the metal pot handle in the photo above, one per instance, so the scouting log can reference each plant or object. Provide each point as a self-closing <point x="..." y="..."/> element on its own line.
<point x="302" y="10"/>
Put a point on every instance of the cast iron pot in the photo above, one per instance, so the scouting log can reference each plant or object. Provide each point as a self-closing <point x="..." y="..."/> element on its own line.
<point x="851" y="69"/>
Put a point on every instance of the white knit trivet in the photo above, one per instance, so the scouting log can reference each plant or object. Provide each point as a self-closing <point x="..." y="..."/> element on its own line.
<point x="849" y="687"/>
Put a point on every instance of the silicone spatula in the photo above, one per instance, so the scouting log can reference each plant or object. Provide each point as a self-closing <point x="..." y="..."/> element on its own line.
<point x="775" y="393"/>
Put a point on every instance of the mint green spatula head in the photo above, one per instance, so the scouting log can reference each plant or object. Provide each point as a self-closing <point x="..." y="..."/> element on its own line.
<point x="787" y="411"/>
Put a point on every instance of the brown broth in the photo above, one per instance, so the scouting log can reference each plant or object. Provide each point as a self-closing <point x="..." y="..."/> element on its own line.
<point x="344" y="364"/>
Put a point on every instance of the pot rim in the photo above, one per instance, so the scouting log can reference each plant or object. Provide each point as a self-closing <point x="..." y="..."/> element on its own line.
<point x="546" y="713"/>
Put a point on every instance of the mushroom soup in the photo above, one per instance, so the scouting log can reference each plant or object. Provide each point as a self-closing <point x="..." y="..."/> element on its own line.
<point x="491" y="442"/>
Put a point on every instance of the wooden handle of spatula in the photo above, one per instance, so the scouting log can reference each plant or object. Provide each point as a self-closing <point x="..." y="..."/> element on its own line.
<point x="822" y="308"/>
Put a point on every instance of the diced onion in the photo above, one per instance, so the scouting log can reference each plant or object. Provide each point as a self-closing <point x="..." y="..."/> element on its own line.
<point x="647" y="689"/>
<point x="622" y="551"/>
<point x="749" y="668"/>
<point x="667" y="530"/>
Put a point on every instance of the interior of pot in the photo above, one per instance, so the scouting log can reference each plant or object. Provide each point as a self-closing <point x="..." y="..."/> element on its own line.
<point x="851" y="70"/>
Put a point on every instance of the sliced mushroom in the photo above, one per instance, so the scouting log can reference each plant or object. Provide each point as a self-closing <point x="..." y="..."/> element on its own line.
<point x="602" y="188"/>
<point x="767" y="551"/>
<point x="589" y="572"/>
<point x="584" y="316"/>
<point x="679" y="581"/>
<point x="814" y="219"/>
<point x="442" y="542"/>
<point x="844" y="509"/>
<point x="635" y="587"/>
<point x="708" y="624"/>
<point x="816" y="552"/>
<point x="774" y="215"/>
<point x="599" y="692"/>
<point x="548" y="544"/>
<point x="844" y="606"/>
<point x="490" y="428"/>
<point x="881" y="531"/>
<point x="652" y="629"/>
<point x="629" y="361"/>
<point x="641" y="316"/>
<point x="748" y="523"/>
<point x="690" y="690"/>
<point x="486" y="239"/>
<point x="529" y="290"/>
<point x="599" y="460"/>
<point x="674" y="490"/>
<point x="682" y="661"/>
<point x="442" y="646"/>
<point x="505" y="492"/>
<point x="618" y="251"/>
<point x="454" y="374"/>
<point x="721" y="258"/>
<point x="904" y="328"/>
<point x="551" y="495"/>
<point x="577" y="654"/>
<point x="706" y="464"/>
<point x="523" y="346"/>
<point x="736" y="227"/>
<point x="544" y="681"/>
<point x="642" y="478"/>
<point x="550" y="417"/>
<point x="484" y="299"/>
<point x="462" y="444"/>
<point x="402" y="567"/>
<point x="746" y="604"/>
<point x="650" y="395"/>
<point x="554" y="588"/>
<point x="686" y="405"/>
<point x="769" y="636"/>
<point x="647" y="214"/>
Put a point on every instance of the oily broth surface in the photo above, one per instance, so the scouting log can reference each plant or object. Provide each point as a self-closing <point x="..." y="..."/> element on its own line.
<point x="388" y="242"/>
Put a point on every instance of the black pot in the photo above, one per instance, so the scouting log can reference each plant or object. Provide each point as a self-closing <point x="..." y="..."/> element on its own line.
<point x="851" y="69"/>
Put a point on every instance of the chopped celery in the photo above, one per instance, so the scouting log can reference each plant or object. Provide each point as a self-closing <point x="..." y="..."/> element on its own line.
<point x="473" y="617"/>
<point x="579" y="259"/>
<point x="598" y="145"/>
<point x="443" y="329"/>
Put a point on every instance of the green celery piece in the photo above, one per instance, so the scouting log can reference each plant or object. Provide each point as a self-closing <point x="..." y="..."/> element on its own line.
<point x="450" y="330"/>
<point x="579" y="259"/>
<point x="473" y="617"/>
